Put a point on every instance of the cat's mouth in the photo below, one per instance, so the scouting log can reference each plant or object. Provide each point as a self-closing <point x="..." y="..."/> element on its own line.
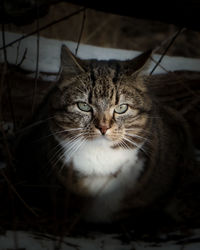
<point x="108" y="136"/>
<point x="111" y="140"/>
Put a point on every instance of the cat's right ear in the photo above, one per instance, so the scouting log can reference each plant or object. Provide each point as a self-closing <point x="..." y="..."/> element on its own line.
<point x="138" y="65"/>
<point x="70" y="64"/>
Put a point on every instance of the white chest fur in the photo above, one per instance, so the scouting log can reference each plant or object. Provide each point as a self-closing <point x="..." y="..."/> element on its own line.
<point x="109" y="175"/>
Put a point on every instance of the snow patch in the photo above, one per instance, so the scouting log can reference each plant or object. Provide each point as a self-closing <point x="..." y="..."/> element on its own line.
<point x="98" y="241"/>
<point x="49" y="56"/>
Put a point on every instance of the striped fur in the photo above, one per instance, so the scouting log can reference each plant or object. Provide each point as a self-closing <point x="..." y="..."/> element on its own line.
<point x="145" y="129"/>
<point x="136" y="162"/>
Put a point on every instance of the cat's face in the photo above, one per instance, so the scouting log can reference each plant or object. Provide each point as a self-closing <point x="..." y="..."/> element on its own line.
<point x="102" y="104"/>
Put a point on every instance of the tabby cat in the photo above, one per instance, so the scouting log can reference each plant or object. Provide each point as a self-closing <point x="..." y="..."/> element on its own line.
<point x="102" y="135"/>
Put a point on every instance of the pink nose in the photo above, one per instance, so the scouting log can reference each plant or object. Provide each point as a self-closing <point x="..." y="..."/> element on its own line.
<point x="103" y="129"/>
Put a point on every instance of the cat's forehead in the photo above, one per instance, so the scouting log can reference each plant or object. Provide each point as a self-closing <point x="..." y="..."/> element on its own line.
<point x="102" y="83"/>
<point x="103" y="87"/>
<point x="109" y="81"/>
<point x="97" y="81"/>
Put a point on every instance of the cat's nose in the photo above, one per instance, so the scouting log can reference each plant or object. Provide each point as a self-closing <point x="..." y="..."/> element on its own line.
<point x="103" y="128"/>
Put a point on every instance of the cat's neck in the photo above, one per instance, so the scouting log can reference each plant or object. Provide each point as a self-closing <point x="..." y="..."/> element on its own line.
<point x="104" y="173"/>
<point x="97" y="157"/>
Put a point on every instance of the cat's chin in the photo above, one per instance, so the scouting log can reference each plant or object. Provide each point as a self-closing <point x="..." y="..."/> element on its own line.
<point x="102" y="140"/>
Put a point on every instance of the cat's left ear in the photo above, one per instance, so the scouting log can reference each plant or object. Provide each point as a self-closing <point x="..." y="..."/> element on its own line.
<point x="138" y="65"/>
<point x="70" y="64"/>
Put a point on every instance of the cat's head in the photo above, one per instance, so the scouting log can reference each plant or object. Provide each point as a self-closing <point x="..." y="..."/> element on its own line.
<point x="105" y="101"/>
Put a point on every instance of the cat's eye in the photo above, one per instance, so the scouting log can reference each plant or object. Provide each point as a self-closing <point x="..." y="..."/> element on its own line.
<point x="122" y="108"/>
<point x="84" y="106"/>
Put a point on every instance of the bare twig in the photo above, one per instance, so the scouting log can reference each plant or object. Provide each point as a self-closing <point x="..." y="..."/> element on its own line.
<point x="7" y="83"/>
<point x="163" y="68"/>
<point x="165" y="42"/>
<point x="166" y="49"/>
<point x="23" y="58"/>
<point x="3" y="73"/>
<point x="81" y="31"/>
<point x="6" y="144"/>
<point x="4" y="42"/>
<point x="37" y="58"/>
<point x="17" y="194"/>
<point x="98" y="29"/>
<point x="44" y="27"/>
<point x="17" y="56"/>
<point x="4" y="66"/>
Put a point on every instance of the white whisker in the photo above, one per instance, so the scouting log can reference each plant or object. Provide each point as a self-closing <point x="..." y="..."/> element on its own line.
<point x="60" y="132"/>
<point x="34" y="125"/>
<point x="136" y="136"/>
<point x="75" y="148"/>
<point x="138" y="129"/>
<point x="54" y="157"/>
<point x="139" y="137"/>
<point x="63" y="155"/>
<point x="73" y="142"/>
<point x="124" y="145"/>
<point x="131" y="142"/>
<point x="135" y="144"/>
<point x="72" y="146"/>
<point x="65" y="130"/>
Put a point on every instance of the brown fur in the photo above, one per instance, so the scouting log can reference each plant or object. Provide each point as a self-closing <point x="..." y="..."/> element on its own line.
<point x="101" y="84"/>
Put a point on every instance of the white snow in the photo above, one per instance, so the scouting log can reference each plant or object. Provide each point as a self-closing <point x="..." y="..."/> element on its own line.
<point x="49" y="55"/>
<point x="31" y="241"/>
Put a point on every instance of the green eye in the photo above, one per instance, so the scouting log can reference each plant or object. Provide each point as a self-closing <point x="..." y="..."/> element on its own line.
<point x="122" y="108"/>
<point x="84" y="106"/>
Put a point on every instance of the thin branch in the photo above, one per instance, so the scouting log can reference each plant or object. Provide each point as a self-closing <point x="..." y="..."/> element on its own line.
<point x="43" y="27"/>
<point x="8" y="83"/>
<point x="17" y="194"/>
<point x="6" y="146"/>
<point x="81" y="31"/>
<point x="4" y="42"/>
<point x="23" y="58"/>
<point x="2" y="89"/>
<point x="98" y="29"/>
<point x="3" y="73"/>
<point x="163" y="68"/>
<point x="166" y="49"/>
<point x="37" y="58"/>
<point x="165" y="42"/>
<point x="17" y="56"/>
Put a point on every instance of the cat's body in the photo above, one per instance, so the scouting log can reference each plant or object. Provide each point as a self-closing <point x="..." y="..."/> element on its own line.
<point x="107" y="175"/>
<point x="107" y="140"/>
